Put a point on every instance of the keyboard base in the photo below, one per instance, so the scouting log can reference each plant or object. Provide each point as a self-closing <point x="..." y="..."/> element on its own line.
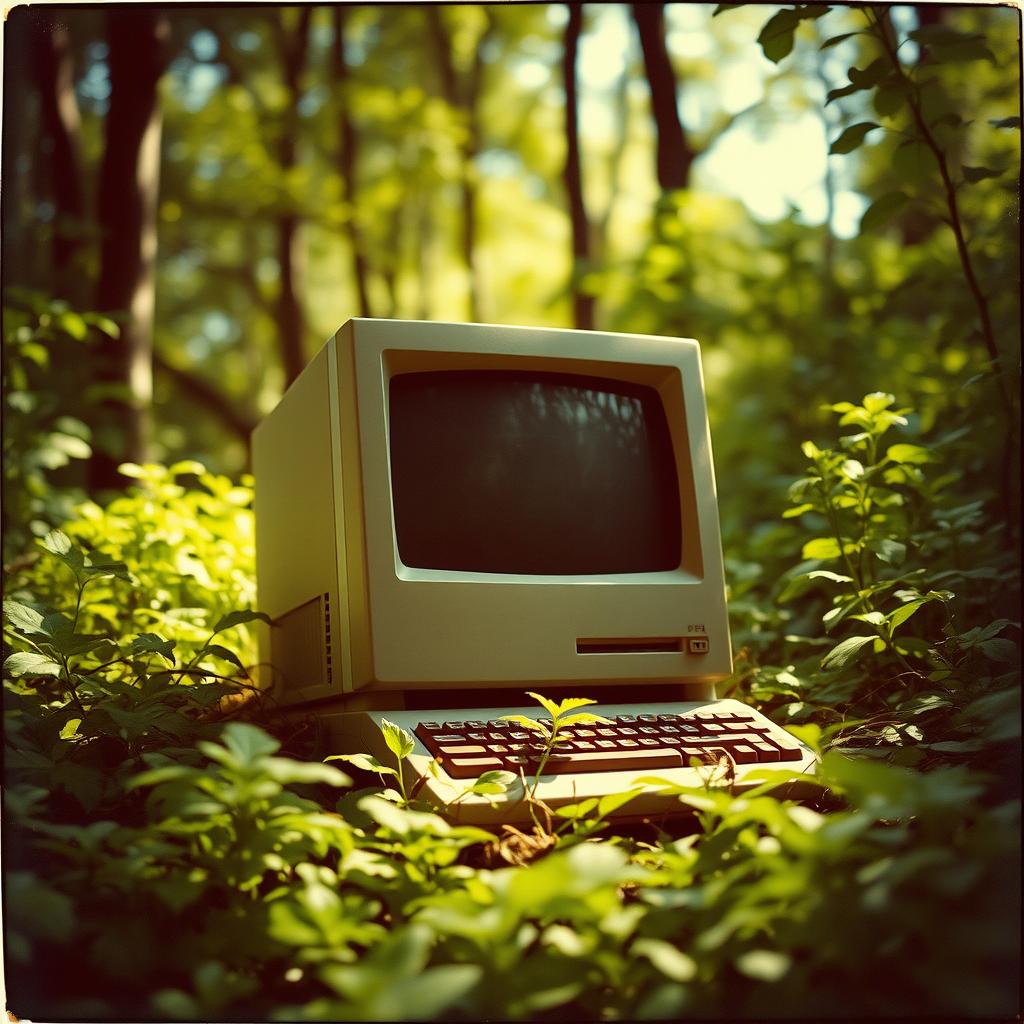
<point x="559" y="785"/>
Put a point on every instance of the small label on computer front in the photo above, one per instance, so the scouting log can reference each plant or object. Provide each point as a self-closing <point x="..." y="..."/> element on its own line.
<point x="696" y="627"/>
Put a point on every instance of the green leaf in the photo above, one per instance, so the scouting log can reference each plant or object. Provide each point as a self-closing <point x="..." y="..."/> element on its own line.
<point x="672" y="962"/>
<point x="288" y="772"/>
<point x="527" y="723"/>
<point x="911" y="453"/>
<point x="821" y="548"/>
<point x="777" y="36"/>
<point x="824" y="574"/>
<point x="151" y="643"/>
<point x="853" y="137"/>
<point x="843" y="653"/>
<point x="901" y="614"/>
<point x="247" y="742"/>
<point x="583" y="718"/>
<point x="59" y="544"/>
<point x="224" y="654"/>
<point x="892" y="552"/>
<point x="872" y="618"/>
<point x="26" y="663"/>
<point x="238" y="618"/>
<point x="399" y="742"/>
<point x="549" y="705"/>
<point x="836" y="40"/>
<point x="975" y="174"/>
<point x="364" y="762"/>
<point x="1000" y="650"/>
<point x="882" y="210"/>
<point x="100" y="569"/>
<point x="763" y="964"/>
<point x="28" y="620"/>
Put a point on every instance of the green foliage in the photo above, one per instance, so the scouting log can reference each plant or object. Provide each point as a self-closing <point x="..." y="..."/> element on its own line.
<point x="45" y="436"/>
<point x="162" y="863"/>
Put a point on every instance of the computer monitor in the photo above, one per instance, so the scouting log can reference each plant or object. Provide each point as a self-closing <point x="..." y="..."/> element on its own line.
<point x="466" y="511"/>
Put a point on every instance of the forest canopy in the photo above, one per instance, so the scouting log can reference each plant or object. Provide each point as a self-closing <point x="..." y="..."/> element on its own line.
<point x="826" y="197"/>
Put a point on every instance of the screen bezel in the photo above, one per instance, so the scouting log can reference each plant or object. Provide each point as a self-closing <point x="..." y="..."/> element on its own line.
<point x="666" y="381"/>
<point x="426" y="628"/>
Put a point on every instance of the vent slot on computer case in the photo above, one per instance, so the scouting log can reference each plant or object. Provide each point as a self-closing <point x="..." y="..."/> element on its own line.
<point x="300" y="647"/>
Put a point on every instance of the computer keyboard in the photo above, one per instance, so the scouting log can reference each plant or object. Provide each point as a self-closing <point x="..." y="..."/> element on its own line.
<point x="465" y="749"/>
<point x="667" y="740"/>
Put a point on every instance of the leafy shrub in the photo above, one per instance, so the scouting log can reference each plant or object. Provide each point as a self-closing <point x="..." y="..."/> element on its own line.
<point x="164" y="864"/>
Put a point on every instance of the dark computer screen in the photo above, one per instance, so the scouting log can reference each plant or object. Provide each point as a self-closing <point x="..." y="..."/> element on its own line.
<point x="535" y="473"/>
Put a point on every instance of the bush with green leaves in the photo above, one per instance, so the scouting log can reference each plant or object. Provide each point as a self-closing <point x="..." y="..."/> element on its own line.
<point x="163" y="864"/>
<point x="45" y="436"/>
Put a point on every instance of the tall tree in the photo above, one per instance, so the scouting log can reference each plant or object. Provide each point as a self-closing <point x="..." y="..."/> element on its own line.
<point x="461" y="92"/>
<point x="61" y="123"/>
<point x="293" y="47"/>
<point x="582" y="303"/>
<point x="675" y="153"/>
<point x="126" y="207"/>
<point x="348" y="156"/>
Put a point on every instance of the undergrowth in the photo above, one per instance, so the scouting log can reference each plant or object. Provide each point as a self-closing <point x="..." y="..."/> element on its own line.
<point x="164" y="859"/>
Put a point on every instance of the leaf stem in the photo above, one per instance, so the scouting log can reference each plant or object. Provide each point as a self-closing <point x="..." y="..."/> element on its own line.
<point x="955" y="223"/>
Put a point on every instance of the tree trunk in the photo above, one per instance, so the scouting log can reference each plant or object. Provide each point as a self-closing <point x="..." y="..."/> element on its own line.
<point x="61" y="122"/>
<point x="348" y="155"/>
<point x="462" y="97"/>
<point x="128" y="191"/>
<point x="582" y="304"/>
<point x="291" y="323"/>
<point x="675" y="155"/>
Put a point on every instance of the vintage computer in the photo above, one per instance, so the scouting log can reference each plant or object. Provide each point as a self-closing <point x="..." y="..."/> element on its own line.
<point x="449" y="516"/>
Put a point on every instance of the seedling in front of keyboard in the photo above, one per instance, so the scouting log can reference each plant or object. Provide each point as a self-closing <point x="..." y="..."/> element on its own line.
<point x="399" y="742"/>
<point x="563" y="717"/>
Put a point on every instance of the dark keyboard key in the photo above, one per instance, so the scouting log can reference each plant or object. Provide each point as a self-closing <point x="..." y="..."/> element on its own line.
<point x="669" y="719"/>
<point x="650" y="741"/>
<point x="454" y="726"/>
<point x="647" y="718"/>
<point x="627" y="732"/>
<point x="497" y="723"/>
<point x="649" y="730"/>
<point x="606" y="744"/>
<point x="584" y="745"/>
<point x="430" y="726"/>
<point x="742" y="753"/>
<point x="475" y="725"/>
<point x="670" y="730"/>
<point x="462" y="750"/>
<point x="449" y="737"/>
<point x="470" y="767"/>
<point x="766" y="752"/>
<point x="628" y="744"/>
<point x="607" y="733"/>
<point x="477" y="737"/>
<point x="788" y="751"/>
<point x="613" y="761"/>
<point x="625" y="718"/>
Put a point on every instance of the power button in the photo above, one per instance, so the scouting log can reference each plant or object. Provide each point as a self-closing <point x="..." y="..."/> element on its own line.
<point x="697" y="644"/>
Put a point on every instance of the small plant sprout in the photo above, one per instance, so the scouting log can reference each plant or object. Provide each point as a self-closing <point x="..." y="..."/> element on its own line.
<point x="399" y="742"/>
<point x="563" y="716"/>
